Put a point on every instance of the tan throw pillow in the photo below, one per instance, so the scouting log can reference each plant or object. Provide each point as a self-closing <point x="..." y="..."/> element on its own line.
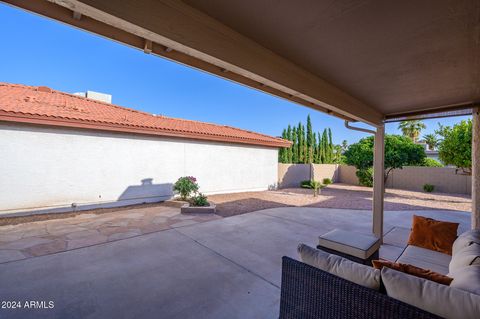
<point x="413" y="270"/>
<point x="433" y="234"/>
<point x="444" y="301"/>
<point x="360" y="274"/>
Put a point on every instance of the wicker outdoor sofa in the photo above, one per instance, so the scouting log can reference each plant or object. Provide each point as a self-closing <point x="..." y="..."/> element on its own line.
<point x="327" y="286"/>
<point x="310" y="293"/>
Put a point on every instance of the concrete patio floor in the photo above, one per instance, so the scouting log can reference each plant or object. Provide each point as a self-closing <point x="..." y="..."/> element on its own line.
<point x="225" y="268"/>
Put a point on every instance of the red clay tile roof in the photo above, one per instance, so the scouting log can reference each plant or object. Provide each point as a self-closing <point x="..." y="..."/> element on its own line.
<point x="42" y="105"/>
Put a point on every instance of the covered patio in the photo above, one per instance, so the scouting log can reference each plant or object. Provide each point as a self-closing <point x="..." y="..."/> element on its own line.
<point x="367" y="61"/>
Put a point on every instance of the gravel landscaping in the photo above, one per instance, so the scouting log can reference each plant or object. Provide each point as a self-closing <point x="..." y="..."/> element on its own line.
<point x="337" y="196"/>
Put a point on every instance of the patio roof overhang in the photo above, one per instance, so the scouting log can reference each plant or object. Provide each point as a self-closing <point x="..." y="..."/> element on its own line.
<point x="372" y="61"/>
<point x="364" y="61"/>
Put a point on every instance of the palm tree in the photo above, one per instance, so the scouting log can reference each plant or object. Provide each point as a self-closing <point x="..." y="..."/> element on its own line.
<point x="412" y="128"/>
<point x="431" y="140"/>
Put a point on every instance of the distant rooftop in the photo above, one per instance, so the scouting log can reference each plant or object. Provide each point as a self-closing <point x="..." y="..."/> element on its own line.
<point x="45" y="106"/>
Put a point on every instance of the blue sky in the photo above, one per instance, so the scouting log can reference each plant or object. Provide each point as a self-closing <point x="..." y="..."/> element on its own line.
<point x="38" y="51"/>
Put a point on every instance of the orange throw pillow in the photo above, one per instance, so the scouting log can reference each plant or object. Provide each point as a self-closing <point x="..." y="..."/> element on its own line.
<point x="414" y="271"/>
<point x="433" y="234"/>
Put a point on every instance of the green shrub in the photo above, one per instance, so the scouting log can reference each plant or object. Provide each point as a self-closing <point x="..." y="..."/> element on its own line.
<point x="428" y="188"/>
<point x="199" y="200"/>
<point x="185" y="186"/>
<point x="430" y="162"/>
<point x="365" y="176"/>
<point x="326" y="181"/>
<point x="306" y="184"/>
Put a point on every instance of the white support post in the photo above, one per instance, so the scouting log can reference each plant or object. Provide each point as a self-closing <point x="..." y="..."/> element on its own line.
<point x="378" y="181"/>
<point x="476" y="168"/>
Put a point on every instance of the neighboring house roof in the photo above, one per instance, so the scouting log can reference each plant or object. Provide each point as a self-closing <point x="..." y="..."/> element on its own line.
<point x="42" y="105"/>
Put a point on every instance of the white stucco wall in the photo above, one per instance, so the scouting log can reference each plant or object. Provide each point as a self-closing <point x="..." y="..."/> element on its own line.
<point x="48" y="169"/>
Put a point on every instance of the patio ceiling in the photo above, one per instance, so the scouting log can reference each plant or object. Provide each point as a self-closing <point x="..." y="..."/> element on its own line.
<point x="359" y="60"/>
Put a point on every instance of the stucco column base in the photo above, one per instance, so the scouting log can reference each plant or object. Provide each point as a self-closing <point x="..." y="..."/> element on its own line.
<point x="378" y="182"/>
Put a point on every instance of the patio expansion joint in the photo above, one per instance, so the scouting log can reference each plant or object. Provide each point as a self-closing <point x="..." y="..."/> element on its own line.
<point x="228" y="259"/>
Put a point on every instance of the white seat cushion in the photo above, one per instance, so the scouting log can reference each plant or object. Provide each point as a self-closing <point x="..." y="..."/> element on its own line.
<point x="350" y="243"/>
<point x="426" y="259"/>
<point x="444" y="301"/>
<point x="469" y="255"/>
<point x="466" y="239"/>
<point x="360" y="274"/>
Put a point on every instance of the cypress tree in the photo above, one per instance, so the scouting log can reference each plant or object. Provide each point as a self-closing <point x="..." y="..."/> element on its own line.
<point x="295" y="145"/>
<point x="308" y="147"/>
<point x="301" y="139"/>
<point x="318" y="159"/>
<point x="282" y="151"/>
<point x="330" y="145"/>
<point x="305" y="146"/>
<point x="326" y="154"/>
<point x="330" y="136"/>
<point x="310" y="140"/>
<point x="290" y="149"/>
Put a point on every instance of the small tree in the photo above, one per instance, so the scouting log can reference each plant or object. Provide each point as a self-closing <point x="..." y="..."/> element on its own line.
<point x="455" y="147"/>
<point x="399" y="151"/>
<point x="186" y="186"/>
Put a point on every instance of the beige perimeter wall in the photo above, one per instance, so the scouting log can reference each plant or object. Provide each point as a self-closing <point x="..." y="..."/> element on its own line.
<point x="409" y="178"/>
<point x="290" y="175"/>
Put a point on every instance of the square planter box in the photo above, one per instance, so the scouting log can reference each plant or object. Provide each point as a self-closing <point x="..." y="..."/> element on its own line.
<point x="187" y="209"/>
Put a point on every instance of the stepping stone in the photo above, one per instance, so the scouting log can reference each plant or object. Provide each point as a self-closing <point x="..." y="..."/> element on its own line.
<point x="48" y="248"/>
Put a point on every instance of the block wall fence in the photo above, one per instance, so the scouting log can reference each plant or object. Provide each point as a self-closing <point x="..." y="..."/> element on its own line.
<point x="445" y="179"/>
